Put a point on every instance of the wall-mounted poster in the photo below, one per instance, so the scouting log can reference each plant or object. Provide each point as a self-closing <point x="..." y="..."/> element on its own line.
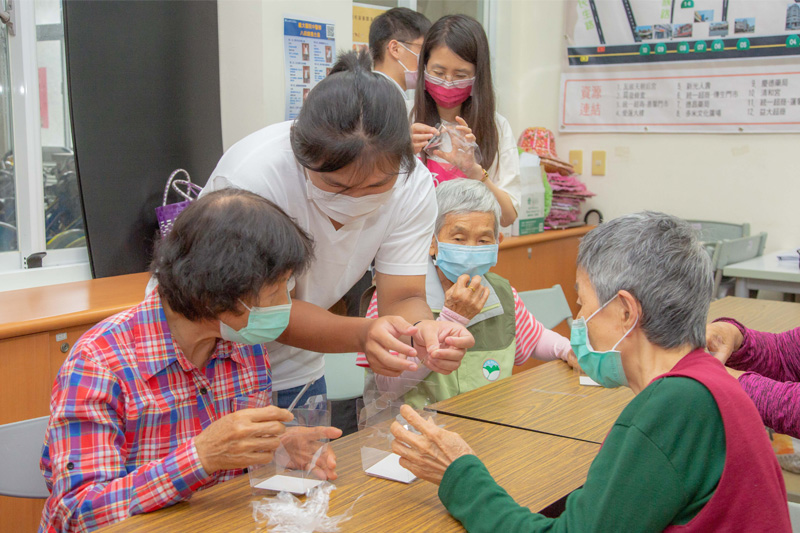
<point x="363" y="15"/>
<point x="612" y="32"/>
<point x="723" y="100"/>
<point x="309" y="49"/>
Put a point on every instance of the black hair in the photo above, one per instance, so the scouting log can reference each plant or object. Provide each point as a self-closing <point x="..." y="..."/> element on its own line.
<point x="227" y="245"/>
<point x="353" y="116"/>
<point x="465" y="37"/>
<point x="397" y="24"/>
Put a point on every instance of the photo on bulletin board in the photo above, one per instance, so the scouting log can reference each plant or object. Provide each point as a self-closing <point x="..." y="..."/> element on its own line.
<point x="309" y="48"/>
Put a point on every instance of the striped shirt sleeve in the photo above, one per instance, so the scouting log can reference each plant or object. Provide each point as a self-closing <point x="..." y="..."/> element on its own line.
<point x="529" y="330"/>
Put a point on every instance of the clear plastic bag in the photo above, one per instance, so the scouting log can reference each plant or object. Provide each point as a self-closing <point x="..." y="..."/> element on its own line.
<point x="300" y="461"/>
<point x="376" y="413"/>
<point x="287" y="514"/>
<point x="462" y="154"/>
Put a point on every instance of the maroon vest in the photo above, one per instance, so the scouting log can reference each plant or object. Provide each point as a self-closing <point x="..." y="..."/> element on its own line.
<point x="751" y="495"/>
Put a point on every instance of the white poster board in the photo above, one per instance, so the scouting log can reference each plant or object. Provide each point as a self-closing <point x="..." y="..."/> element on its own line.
<point x="753" y="99"/>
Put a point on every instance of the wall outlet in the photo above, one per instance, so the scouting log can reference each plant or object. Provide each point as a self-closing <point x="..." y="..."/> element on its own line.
<point x="598" y="163"/>
<point x="576" y="160"/>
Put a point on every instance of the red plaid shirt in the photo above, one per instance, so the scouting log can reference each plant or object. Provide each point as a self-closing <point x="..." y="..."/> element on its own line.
<point x="125" y="409"/>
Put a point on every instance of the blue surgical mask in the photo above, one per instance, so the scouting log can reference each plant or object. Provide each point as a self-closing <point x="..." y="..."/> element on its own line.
<point x="457" y="259"/>
<point x="603" y="367"/>
<point x="265" y="324"/>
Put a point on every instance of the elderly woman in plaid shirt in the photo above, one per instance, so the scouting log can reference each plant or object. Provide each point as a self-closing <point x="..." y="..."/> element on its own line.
<point x="142" y="408"/>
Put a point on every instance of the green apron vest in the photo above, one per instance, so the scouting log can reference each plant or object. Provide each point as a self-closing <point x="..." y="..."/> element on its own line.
<point x="491" y="358"/>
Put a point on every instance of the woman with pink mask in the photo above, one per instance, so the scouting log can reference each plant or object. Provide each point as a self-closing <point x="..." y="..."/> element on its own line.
<point x="455" y="86"/>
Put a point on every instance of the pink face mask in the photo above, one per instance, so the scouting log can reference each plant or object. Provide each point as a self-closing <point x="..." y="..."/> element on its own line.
<point x="448" y="94"/>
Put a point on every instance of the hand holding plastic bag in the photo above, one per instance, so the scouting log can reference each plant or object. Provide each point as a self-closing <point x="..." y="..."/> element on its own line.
<point x="454" y="147"/>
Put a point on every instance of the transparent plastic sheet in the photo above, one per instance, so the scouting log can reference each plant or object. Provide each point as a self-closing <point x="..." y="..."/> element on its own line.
<point x="450" y="140"/>
<point x="376" y="413"/>
<point x="285" y="513"/>
<point x="299" y="462"/>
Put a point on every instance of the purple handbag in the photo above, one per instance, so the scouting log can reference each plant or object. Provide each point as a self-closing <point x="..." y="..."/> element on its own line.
<point x="167" y="213"/>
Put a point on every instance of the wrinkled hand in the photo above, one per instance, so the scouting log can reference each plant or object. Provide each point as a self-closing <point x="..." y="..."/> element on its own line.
<point x="734" y="373"/>
<point x="427" y="455"/>
<point x="464" y="145"/>
<point x="302" y="449"/>
<point x="240" y="439"/>
<point x="382" y="336"/>
<point x="441" y="345"/>
<point x="467" y="296"/>
<point x="722" y="339"/>
<point x="421" y="134"/>
<point x="572" y="360"/>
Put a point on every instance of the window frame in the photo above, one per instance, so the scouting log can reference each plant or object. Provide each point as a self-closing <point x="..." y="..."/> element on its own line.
<point x="59" y="264"/>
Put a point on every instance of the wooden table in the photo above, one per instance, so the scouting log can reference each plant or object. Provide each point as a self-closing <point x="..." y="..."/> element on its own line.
<point x="535" y="469"/>
<point x="546" y="399"/>
<point x="766" y="273"/>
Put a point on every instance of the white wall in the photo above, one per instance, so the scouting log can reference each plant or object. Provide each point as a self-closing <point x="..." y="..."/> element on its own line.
<point x="251" y="57"/>
<point x="735" y="178"/>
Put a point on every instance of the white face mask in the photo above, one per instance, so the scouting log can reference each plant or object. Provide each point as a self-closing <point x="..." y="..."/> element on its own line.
<point x="346" y="209"/>
<point x="410" y="75"/>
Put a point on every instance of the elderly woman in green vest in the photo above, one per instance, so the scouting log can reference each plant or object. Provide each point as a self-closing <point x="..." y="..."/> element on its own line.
<point x="688" y="453"/>
<point x="461" y="289"/>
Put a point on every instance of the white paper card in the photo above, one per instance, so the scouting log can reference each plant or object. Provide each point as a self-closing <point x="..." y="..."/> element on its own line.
<point x="389" y="468"/>
<point x="295" y="485"/>
<point x="586" y="380"/>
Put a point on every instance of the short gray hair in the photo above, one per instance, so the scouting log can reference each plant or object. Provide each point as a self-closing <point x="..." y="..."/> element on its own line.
<point x="659" y="260"/>
<point x="463" y="196"/>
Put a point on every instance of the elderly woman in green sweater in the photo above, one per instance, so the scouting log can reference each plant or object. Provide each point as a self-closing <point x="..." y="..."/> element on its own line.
<point x="688" y="452"/>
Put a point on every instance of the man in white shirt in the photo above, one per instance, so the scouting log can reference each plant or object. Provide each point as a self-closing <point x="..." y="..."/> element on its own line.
<point x="346" y="173"/>
<point x="395" y="39"/>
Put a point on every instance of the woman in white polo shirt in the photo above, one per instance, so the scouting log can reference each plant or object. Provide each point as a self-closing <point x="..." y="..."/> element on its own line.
<point x="346" y="172"/>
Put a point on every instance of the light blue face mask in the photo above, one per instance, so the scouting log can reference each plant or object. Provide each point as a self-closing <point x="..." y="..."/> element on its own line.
<point x="603" y="367"/>
<point x="265" y="324"/>
<point x="457" y="259"/>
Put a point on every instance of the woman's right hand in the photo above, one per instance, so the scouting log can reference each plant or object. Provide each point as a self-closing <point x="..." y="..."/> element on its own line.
<point x="242" y="438"/>
<point x="722" y="339"/>
<point x="420" y="135"/>
<point x="467" y="296"/>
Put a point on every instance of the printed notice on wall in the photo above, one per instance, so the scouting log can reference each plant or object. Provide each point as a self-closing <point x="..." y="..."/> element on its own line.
<point x="612" y="32"/>
<point x="309" y="49"/>
<point x="756" y="99"/>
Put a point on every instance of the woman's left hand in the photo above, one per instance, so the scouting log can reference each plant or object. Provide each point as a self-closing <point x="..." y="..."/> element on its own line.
<point x="427" y="455"/>
<point x="463" y="152"/>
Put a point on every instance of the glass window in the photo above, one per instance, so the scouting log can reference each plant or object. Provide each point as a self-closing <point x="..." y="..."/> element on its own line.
<point x="8" y="207"/>
<point x="62" y="201"/>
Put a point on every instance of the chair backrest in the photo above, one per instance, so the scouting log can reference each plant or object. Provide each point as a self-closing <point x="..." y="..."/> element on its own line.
<point x="343" y="378"/>
<point x="794" y="516"/>
<point x="549" y="306"/>
<point x="20" y="452"/>
<point x="732" y="251"/>
<point x="711" y="231"/>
